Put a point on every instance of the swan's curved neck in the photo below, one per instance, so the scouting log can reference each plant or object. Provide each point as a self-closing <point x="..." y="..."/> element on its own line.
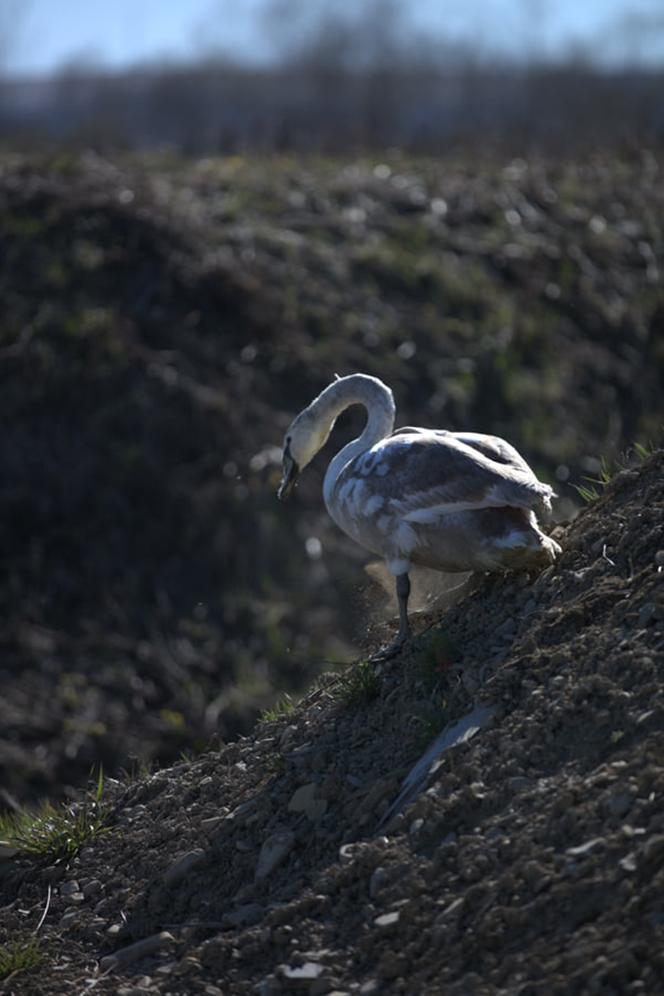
<point x="379" y="403"/>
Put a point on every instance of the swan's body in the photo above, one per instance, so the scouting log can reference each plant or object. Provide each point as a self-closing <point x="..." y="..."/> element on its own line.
<point x="451" y="501"/>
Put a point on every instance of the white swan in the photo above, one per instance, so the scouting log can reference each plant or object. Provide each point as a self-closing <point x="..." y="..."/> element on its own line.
<point x="454" y="501"/>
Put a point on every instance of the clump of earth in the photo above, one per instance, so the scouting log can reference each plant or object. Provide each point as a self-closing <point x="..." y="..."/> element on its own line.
<point x="531" y="861"/>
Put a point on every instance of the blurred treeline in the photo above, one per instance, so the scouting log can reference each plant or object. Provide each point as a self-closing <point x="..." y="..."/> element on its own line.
<point x="347" y="80"/>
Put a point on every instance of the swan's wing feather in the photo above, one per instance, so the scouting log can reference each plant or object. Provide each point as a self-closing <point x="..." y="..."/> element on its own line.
<point x="493" y="447"/>
<point x="427" y="474"/>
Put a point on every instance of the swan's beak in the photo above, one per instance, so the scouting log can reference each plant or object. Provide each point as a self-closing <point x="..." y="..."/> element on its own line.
<point x="291" y="470"/>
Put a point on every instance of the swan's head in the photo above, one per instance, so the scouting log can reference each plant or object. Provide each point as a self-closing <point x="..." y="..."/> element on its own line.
<point x="304" y="438"/>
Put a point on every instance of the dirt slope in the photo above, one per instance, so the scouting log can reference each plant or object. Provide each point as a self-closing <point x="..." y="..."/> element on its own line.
<point x="162" y="321"/>
<point x="533" y="863"/>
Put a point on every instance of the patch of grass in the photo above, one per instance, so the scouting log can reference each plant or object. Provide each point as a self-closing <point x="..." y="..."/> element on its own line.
<point x="644" y="450"/>
<point x="358" y="684"/>
<point x="282" y="707"/>
<point x="18" y="956"/>
<point x="139" y="770"/>
<point x="588" y="491"/>
<point x="57" y="833"/>
<point x="632" y="457"/>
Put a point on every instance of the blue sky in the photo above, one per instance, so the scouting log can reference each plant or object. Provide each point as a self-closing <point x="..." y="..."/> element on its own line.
<point x="45" y="34"/>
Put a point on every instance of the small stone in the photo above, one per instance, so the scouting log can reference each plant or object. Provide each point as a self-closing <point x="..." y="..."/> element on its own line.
<point x="273" y="852"/>
<point x="269" y="986"/>
<point x="7" y="851"/>
<point x="166" y="968"/>
<point x="596" y="844"/>
<point x="67" y="888"/>
<point x="287" y="735"/>
<point x="347" y="853"/>
<point x="454" y="907"/>
<point x="141" y="949"/>
<point x="646" y="615"/>
<point x="387" y="919"/>
<point x="416" y="826"/>
<point x="304" y="800"/>
<point x="92" y="887"/>
<point x="628" y="863"/>
<point x="302" y="976"/>
<point x="183" y="866"/>
<point x="70" y="917"/>
<point x="653" y="848"/>
<point x="244" y="813"/>
<point x="212" y="822"/>
<point x="620" y="804"/>
<point x="659" y="558"/>
<point x="377" y="882"/>
<point x="519" y="783"/>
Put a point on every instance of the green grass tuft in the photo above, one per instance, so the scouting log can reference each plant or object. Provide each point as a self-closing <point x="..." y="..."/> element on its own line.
<point x="17" y="956"/>
<point x="282" y="707"/>
<point x="358" y="684"/>
<point x="57" y="833"/>
<point x="588" y="491"/>
<point x="632" y="457"/>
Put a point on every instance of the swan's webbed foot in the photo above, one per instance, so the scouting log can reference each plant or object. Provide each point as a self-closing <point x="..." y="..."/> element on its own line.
<point x="393" y="648"/>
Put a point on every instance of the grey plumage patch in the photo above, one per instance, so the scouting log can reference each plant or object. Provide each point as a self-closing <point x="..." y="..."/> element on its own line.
<point x="455" y="501"/>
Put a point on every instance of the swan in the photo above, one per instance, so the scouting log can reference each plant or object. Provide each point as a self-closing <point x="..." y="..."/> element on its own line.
<point x="453" y="501"/>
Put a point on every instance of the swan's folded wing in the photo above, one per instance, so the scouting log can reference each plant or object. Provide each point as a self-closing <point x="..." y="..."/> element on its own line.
<point x="427" y="475"/>
<point x="492" y="447"/>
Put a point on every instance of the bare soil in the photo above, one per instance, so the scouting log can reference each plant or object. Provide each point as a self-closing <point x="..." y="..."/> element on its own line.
<point x="531" y="863"/>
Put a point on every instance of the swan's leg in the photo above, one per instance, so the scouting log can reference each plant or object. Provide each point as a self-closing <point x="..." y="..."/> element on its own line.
<point x="403" y="591"/>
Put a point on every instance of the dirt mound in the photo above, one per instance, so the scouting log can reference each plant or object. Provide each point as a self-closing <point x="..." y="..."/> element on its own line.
<point x="164" y="319"/>
<point x="532" y="862"/>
